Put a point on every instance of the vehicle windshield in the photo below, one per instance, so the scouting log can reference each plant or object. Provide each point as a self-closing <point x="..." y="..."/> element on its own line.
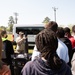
<point x="29" y="30"/>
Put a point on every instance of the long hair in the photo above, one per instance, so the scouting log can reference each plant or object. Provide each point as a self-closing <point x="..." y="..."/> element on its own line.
<point x="47" y="43"/>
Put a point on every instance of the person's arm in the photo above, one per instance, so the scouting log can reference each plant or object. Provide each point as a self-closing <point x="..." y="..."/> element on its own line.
<point x="19" y="41"/>
<point x="5" y="70"/>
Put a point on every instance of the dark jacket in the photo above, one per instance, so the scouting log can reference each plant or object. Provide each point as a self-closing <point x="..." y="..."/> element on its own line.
<point x="69" y="45"/>
<point x="8" y="47"/>
<point x="39" y="67"/>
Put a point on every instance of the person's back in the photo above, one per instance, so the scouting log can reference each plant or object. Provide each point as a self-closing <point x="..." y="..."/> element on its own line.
<point x="62" y="51"/>
<point x="69" y="45"/>
<point x="48" y="63"/>
<point x="7" y="46"/>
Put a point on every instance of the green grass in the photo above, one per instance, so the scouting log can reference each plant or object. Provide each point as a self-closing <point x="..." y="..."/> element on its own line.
<point x="30" y="51"/>
<point x="10" y="37"/>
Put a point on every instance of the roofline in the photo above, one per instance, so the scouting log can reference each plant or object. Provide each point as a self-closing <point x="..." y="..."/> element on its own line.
<point x="27" y="25"/>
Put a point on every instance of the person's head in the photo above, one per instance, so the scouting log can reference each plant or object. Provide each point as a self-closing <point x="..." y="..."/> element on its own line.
<point x="67" y="31"/>
<point x="60" y="32"/>
<point x="46" y="42"/>
<point x="52" y="25"/>
<point x="4" y="33"/>
<point x="73" y="28"/>
<point x="21" y="34"/>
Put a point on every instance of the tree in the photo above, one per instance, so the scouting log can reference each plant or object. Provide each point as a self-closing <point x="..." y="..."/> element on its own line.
<point x="2" y="28"/>
<point x="46" y="20"/>
<point x="11" y="23"/>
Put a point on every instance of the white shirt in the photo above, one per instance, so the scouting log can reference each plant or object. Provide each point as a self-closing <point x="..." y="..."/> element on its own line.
<point x="36" y="53"/>
<point x="62" y="52"/>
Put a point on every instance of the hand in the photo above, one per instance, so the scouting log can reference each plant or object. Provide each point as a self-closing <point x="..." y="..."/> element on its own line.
<point x="24" y="38"/>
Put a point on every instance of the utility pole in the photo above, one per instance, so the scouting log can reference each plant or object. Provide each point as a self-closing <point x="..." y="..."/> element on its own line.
<point x="16" y="14"/>
<point x="54" y="8"/>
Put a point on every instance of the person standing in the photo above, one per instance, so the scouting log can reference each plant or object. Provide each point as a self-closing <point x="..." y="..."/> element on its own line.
<point x="69" y="36"/>
<point x="8" y="51"/>
<point x="20" y="40"/>
<point x="4" y="70"/>
<point x="60" y="34"/>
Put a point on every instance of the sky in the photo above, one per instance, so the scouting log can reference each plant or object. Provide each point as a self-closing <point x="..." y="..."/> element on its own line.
<point x="34" y="11"/>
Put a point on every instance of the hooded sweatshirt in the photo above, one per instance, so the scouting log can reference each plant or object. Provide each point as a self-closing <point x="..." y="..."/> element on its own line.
<point x="39" y="67"/>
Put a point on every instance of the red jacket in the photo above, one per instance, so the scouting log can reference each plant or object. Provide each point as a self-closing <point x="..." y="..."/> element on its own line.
<point x="71" y="38"/>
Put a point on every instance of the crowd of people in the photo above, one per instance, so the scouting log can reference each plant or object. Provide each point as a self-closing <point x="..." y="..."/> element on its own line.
<point x="53" y="53"/>
<point x="50" y="57"/>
